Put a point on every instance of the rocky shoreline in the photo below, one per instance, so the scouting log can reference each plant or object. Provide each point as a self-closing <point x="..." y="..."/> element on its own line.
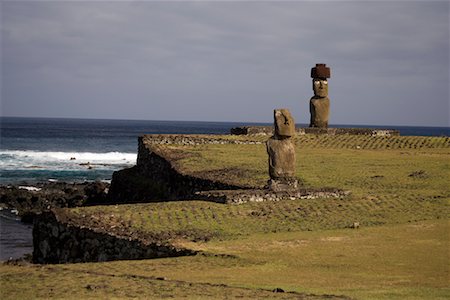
<point x="31" y="200"/>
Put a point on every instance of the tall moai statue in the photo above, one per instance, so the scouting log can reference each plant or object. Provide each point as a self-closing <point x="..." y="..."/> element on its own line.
<point x="281" y="150"/>
<point x="319" y="105"/>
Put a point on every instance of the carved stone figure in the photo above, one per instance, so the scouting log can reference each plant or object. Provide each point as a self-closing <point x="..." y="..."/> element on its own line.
<point x="281" y="150"/>
<point x="319" y="105"/>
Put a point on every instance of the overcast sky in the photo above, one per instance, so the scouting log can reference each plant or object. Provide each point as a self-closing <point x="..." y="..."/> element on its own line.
<point x="226" y="61"/>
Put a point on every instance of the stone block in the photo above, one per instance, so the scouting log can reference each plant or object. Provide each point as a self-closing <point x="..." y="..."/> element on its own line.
<point x="283" y="185"/>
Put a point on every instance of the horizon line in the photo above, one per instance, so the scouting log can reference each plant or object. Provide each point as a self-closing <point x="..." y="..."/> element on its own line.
<point x="245" y="122"/>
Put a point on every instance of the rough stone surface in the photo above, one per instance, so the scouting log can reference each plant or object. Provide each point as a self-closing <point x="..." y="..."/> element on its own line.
<point x="252" y="130"/>
<point x="156" y="176"/>
<point x="58" y="241"/>
<point x="260" y="195"/>
<point x="320" y="71"/>
<point x="281" y="151"/>
<point x="319" y="108"/>
<point x="283" y="184"/>
<point x="194" y="140"/>
<point x="268" y="130"/>
<point x="320" y="88"/>
<point x="284" y="123"/>
<point x="281" y="158"/>
<point x="319" y="105"/>
<point x="32" y="200"/>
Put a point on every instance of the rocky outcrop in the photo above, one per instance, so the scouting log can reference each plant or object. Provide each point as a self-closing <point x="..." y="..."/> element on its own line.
<point x="57" y="240"/>
<point x="31" y="200"/>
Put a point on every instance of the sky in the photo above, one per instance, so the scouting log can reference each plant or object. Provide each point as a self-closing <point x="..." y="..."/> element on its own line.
<point x="226" y="60"/>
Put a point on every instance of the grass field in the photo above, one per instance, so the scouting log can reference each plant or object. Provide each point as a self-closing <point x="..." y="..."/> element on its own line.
<point x="399" y="194"/>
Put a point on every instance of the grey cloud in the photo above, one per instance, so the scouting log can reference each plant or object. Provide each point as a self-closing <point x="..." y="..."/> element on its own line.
<point x="226" y="61"/>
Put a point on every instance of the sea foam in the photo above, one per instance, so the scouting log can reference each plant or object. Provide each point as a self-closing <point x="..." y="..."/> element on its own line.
<point x="28" y="159"/>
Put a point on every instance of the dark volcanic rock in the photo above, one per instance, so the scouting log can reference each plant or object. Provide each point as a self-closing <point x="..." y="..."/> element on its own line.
<point x="156" y="177"/>
<point x="58" y="239"/>
<point x="44" y="196"/>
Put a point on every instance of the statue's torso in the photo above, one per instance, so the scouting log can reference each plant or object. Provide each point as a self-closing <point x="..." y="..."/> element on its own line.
<point x="320" y="111"/>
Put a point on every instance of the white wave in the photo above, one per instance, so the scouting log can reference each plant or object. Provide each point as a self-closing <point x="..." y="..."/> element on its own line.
<point x="27" y="159"/>
<point x="29" y="188"/>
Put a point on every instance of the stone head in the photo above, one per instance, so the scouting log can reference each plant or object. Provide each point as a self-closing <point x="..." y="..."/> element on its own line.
<point x="284" y="123"/>
<point x="320" y="73"/>
<point x="320" y="87"/>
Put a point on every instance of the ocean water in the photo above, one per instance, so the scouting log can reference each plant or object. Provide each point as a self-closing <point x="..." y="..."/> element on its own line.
<point x="16" y="238"/>
<point x="41" y="149"/>
<point x="38" y="149"/>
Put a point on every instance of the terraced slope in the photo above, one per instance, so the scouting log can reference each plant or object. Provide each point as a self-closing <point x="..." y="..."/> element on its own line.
<point x="388" y="187"/>
<point x="371" y="142"/>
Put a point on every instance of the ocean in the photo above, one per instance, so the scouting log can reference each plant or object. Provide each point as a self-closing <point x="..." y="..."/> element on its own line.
<point x="42" y="149"/>
<point x="76" y="150"/>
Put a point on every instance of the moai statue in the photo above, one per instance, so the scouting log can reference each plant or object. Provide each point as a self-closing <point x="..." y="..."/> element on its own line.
<point x="281" y="150"/>
<point x="319" y="105"/>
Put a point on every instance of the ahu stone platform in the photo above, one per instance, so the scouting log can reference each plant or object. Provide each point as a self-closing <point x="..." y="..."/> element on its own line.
<point x="268" y="130"/>
<point x="261" y="195"/>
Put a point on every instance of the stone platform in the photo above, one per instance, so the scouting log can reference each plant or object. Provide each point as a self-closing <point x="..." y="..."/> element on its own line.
<point x="268" y="130"/>
<point x="260" y="195"/>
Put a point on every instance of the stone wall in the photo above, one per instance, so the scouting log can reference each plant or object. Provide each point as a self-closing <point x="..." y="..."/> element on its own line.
<point x="156" y="176"/>
<point x="268" y="130"/>
<point x="260" y="195"/>
<point x="57" y="241"/>
<point x="167" y="139"/>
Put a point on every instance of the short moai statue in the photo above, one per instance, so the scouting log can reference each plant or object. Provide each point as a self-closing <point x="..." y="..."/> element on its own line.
<point x="281" y="150"/>
<point x="319" y="105"/>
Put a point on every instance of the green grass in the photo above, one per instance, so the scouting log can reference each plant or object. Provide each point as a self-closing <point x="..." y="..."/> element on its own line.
<point x="407" y="261"/>
<point x="330" y="161"/>
<point x="197" y="220"/>
<point x="400" y="252"/>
